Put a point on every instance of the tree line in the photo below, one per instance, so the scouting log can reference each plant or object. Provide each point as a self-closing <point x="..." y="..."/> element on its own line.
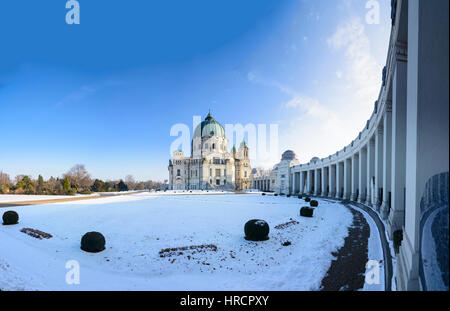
<point x="76" y="180"/>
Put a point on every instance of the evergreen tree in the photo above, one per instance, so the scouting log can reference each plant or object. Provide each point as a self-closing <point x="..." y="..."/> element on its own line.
<point x="66" y="185"/>
<point x="40" y="185"/>
<point x="98" y="186"/>
<point x="26" y="184"/>
<point x="121" y="186"/>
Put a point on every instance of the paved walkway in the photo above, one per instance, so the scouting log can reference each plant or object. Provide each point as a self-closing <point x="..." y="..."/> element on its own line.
<point x="347" y="271"/>
<point x="62" y="200"/>
<point x="387" y="257"/>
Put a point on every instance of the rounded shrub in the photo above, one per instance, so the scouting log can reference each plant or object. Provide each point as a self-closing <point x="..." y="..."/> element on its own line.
<point x="10" y="218"/>
<point x="306" y="211"/>
<point x="276" y="194"/>
<point x="256" y="230"/>
<point x="263" y="193"/>
<point x="288" y="195"/>
<point x="313" y="203"/>
<point x="93" y="242"/>
<point x="300" y="196"/>
<point x="307" y="199"/>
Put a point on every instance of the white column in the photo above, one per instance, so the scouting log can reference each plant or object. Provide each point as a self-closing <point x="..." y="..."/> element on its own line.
<point x="302" y="185"/>
<point x="317" y="182"/>
<point x="397" y="212"/>
<point x="309" y="182"/>
<point x="355" y="176"/>
<point x="427" y="122"/>
<point x="362" y="175"/>
<point x="387" y="150"/>
<point x="378" y="167"/>
<point x="347" y="178"/>
<point x="293" y="184"/>
<point x="339" y="180"/>
<point x="332" y="180"/>
<point x="324" y="181"/>
<point x="370" y="169"/>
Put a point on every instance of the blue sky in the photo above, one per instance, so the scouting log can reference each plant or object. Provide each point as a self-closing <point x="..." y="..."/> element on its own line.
<point x="106" y="93"/>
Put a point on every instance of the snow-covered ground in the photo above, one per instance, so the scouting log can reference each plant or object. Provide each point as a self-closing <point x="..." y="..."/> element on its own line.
<point x="138" y="226"/>
<point x="375" y="253"/>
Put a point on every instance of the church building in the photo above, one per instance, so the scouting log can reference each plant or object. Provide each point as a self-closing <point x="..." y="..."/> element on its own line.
<point x="210" y="165"/>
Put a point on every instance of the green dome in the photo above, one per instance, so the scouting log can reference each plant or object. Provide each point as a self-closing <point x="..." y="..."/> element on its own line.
<point x="209" y="127"/>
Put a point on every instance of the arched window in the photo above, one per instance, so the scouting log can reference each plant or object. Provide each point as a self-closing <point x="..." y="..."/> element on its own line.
<point x="214" y="146"/>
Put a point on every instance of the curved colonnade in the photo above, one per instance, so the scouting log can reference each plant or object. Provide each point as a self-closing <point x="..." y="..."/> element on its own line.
<point x="405" y="141"/>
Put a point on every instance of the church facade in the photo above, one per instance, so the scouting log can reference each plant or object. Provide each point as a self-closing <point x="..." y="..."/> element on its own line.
<point x="210" y="165"/>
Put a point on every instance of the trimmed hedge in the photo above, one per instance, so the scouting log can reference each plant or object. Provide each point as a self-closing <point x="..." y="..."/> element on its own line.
<point x="306" y="211"/>
<point x="256" y="230"/>
<point x="10" y="218"/>
<point x="93" y="242"/>
<point x="263" y="193"/>
<point x="307" y="199"/>
<point x="313" y="203"/>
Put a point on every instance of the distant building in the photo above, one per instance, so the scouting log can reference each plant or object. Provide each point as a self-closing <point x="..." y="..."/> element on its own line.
<point x="276" y="179"/>
<point x="264" y="180"/>
<point x="210" y="165"/>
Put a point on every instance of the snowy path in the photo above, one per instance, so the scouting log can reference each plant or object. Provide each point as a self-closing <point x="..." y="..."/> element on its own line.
<point x="16" y="198"/>
<point x="138" y="226"/>
<point x="379" y="248"/>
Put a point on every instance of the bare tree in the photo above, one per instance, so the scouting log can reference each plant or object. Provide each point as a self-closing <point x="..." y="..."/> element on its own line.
<point x="54" y="186"/>
<point x="130" y="182"/>
<point x="4" y="179"/>
<point x="140" y="186"/>
<point x="79" y="177"/>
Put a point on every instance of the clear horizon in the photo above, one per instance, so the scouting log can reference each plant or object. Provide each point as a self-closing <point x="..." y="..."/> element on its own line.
<point x="106" y="93"/>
